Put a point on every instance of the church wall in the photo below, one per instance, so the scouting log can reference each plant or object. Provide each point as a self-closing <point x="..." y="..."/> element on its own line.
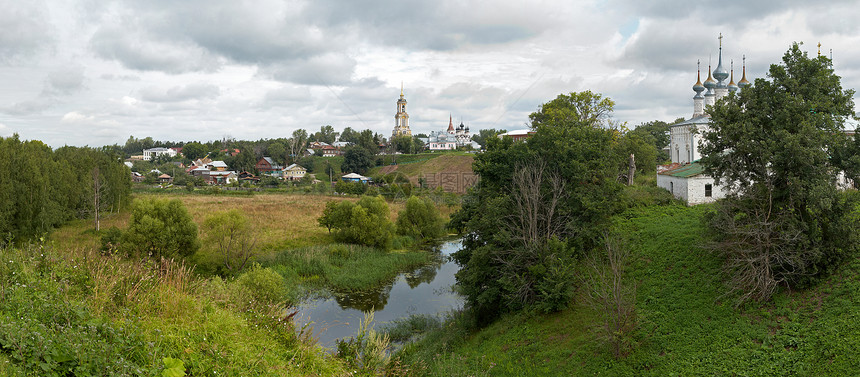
<point x="691" y="190"/>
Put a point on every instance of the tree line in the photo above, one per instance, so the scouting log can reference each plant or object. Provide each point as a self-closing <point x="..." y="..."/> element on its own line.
<point x="41" y="188"/>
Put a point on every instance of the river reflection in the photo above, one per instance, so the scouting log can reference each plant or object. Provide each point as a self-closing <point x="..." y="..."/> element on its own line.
<point x="425" y="290"/>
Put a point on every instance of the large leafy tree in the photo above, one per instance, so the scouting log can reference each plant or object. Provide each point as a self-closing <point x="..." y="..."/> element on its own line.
<point x="194" y="150"/>
<point x="773" y="144"/>
<point x="540" y="204"/>
<point x="357" y="159"/>
<point x="326" y="134"/>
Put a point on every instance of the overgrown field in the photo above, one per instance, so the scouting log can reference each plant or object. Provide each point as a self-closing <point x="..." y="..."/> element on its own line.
<point x="687" y="324"/>
<point x="66" y="308"/>
<point x="80" y="313"/>
<point x="281" y="221"/>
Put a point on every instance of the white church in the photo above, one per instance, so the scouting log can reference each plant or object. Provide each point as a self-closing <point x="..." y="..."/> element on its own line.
<point x="685" y="177"/>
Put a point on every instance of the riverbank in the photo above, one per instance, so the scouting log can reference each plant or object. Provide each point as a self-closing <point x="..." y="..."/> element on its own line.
<point x="687" y="324"/>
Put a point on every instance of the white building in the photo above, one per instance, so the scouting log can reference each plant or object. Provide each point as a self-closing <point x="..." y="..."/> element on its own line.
<point x="685" y="177"/>
<point x="452" y="138"/>
<point x="153" y="153"/>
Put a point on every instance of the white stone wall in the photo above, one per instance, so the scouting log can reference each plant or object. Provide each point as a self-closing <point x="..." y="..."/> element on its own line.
<point x="691" y="190"/>
<point x="684" y="143"/>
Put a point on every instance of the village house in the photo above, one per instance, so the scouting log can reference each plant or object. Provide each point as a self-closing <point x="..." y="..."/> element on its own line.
<point x="353" y="177"/>
<point x="294" y="172"/>
<point x="518" y="135"/>
<point x="268" y="166"/>
<point x="153" y="153"/>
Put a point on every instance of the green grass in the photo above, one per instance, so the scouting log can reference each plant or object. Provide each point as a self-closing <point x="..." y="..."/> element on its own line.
<point x="687" y="324"/>
<point x="343" y="267"/>
<point x="80" y="313"/>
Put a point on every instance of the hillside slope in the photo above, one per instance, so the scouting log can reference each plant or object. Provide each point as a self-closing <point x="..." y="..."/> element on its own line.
<point x="688" y="326"/>
<point x="451" y="171"/>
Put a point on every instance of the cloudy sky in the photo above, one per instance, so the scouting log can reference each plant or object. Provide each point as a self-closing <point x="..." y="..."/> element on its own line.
<point x="93" y="72"/>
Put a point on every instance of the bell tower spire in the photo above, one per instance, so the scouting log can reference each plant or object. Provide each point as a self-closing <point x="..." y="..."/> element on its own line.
<point x="401" y="118"/>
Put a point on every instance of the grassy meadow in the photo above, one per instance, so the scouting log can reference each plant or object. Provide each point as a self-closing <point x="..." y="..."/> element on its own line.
<point x="687" y="324"/>
<point x="67" y="308"/>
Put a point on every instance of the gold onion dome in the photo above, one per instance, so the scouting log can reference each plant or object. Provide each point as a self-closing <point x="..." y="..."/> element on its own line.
<point x="710" y="83"/>
<point x="698" y="87"/>
<point x="744" y="82"/>
<point x="732" y="86"/>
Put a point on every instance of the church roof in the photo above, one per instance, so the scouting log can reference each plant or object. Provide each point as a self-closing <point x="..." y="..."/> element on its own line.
<point x="697" y="120"/>
<point x="686" y="171"/>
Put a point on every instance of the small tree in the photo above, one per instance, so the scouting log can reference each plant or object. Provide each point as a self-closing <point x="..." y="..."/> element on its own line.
<point x="420" y="220"/>
<point x="365" y="222"/>
<point x="613" y="296"/>
<point x="235" y="239"/>
<point x="160" y="228"/>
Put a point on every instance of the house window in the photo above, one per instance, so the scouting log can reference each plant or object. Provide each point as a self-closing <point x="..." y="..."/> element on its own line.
<point x="708" y="190"/>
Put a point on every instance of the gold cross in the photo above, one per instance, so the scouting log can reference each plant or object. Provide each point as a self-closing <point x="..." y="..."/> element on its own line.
<point x="721" y="39"/>
<point x="819" y="48"/>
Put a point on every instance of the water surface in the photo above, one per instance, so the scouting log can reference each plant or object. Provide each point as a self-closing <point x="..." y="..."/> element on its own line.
<point x="425" y="290"/>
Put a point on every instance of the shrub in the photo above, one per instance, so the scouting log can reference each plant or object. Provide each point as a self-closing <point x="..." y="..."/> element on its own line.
<point x="160" y="228"/>
<point x="264" y="284"/>
<point x="420" y="220"/>
<point x="110" y="240"/>
<point x="363" y="223"/>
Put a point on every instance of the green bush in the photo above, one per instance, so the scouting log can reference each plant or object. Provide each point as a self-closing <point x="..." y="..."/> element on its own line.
<point x="110" y="240"/>
<point x="160" y="228"/>
<point x="264" y="284"/>
<point x="420" y="220"/>
<point x="363" y="223"/>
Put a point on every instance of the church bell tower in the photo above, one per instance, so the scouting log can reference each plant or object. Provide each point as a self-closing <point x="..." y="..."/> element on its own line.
<point x="401" y="118"/>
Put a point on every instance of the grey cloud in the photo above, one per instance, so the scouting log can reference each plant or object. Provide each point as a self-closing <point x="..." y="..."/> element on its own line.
<point x="137" y="50"/>
<point x="112" y="77"/>
<point x="711" y="12"/>
<point x="677" y="46"/>
<point x="180" y="93"/>
<point x="440" y="25"/>
<point x="57" y="85"/>
<point x="31" y="106"/>
<point x="65" y="82"/>
<point x="327" y="69"/>
<point x="24" y="28"/>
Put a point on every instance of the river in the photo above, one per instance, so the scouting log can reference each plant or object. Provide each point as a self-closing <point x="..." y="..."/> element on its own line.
<point x="425" y="290"/>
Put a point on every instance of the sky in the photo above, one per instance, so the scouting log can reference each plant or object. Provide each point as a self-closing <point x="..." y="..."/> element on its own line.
<point x="94" y="72"/>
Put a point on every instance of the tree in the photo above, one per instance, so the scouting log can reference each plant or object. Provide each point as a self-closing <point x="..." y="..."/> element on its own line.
<point x="583" y="108"/>
<point x="365" y="222"/>
<point x="160" y="228"/>
<point x="369" y="141"/>
<point x="659" y="135"/>
<point x="482" y="135"/>
<point x="326" y="134"/>
<point x="403" y="144"/>
<point x="277" y="151"/>
<point x="349" y="135"/>
<point x="230" y="232"/>
<point x="297" y="143"/>
<point x="785" y="223"/>
<point x="193" y="151"/>
<point x="357" y="160"/>
<point x="420" y="220"/>
<point x="539" y="206"/>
